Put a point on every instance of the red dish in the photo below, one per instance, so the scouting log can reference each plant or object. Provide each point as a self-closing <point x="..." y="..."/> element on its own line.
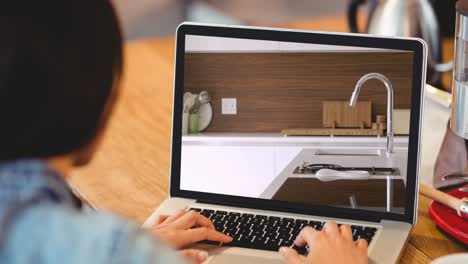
<point x="447" y="219"/>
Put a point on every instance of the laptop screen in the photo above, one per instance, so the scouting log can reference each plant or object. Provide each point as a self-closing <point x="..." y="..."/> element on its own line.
<point x="303" y="123"/>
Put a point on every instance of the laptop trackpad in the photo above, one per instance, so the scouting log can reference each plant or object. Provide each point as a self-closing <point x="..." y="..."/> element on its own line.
<point x="227" y="258"/>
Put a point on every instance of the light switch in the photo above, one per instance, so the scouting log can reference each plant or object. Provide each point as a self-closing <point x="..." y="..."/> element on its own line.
<point x="229" y="106"/>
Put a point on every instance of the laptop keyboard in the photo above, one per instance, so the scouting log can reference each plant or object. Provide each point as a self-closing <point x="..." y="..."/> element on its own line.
<point x="268" y="232"/>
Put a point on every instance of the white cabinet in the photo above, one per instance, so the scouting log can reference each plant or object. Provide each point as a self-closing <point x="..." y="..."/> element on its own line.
<point x="245" y="165"/>
<point x="233" y="170"/>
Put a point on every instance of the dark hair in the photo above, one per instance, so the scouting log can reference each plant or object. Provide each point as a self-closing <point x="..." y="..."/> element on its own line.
<point x="59" y="61"/>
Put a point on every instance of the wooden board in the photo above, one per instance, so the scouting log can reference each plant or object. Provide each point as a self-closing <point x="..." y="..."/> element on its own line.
<point x="286" y="90"/>
<point x="331" y="132"/>
<point x="340" y="115"/>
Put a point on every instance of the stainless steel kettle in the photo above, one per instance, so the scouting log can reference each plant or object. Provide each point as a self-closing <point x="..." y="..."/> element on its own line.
<point x="405" y="18"/>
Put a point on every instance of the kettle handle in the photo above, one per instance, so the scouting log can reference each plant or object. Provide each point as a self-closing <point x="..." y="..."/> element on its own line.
<point x="353" y="7"/>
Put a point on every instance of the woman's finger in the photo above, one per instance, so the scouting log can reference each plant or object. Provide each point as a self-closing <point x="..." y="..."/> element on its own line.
<point x="174" y="217"/>
<point x="290" y="256"/>
<point x="362" y="244"/>
<point x="160" y="219"/>
<point x="346" y="232"/>
<point x="307" y="236"/>
<point x="331" y="229"/>
<point x="193" y="219"/>
<point x="203" y="233"/>
<point x="195" y="256"/>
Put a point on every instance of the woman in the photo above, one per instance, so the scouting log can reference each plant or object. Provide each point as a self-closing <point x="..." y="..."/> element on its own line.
<point x="60" y="66"/>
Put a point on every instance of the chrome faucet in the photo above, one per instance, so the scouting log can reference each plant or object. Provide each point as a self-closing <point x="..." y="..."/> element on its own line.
<point x="389" y="87"/>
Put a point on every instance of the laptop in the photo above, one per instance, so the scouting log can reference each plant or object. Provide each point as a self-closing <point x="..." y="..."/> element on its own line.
<point x="278" y="129"/>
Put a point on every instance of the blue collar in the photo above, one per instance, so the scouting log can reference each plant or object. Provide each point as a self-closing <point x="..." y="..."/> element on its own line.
<point x="23" y="179"/>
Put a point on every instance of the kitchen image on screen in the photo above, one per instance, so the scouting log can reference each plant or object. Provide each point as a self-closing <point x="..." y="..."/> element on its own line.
<point x="289" y="121"/>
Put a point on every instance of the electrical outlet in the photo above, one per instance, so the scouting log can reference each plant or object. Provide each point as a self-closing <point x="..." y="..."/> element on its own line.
<point x="229" y="106"/>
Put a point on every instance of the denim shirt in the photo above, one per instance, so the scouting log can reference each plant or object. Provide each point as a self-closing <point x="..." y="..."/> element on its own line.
<point x="42" y="222"/>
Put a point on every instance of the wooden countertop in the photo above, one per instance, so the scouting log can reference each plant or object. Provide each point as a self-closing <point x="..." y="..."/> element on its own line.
<point x="130" y="173"/>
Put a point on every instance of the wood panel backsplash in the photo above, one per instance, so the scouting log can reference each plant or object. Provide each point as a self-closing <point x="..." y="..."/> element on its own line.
<point x="275" y="91"/>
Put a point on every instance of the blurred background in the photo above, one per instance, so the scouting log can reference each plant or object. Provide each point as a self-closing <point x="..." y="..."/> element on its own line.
<point x="432" y="20"/>
<point x="156" y="18"/>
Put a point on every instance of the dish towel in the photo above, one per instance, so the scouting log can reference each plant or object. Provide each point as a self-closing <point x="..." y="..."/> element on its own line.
<point x="333" y="175"/>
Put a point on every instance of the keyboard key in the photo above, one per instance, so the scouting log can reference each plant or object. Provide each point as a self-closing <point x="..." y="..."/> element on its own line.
<point x="246" y="238"/>
<point x="244" y="225"/>
<point x="272" y="245"/>
<point x="206" y="213"/>
<point x="295" y="231"/>
<point x="261" y="241"/>
<point x="286" y="243"/>
<point x="317" y="225"/>
<point x="312" y="223"/>
<point x="272" y="229"/>
<point x="257" y="232"/>
<point x="235" y="236"/>
<point x="243" y="219"/>
<point x="231" y="218"/>
<point x="285" y="236"/>
<point x="256" y="221"/>
<point x="232" y="230"/>
<point x="369" y="230"/>
<point x="217" y="217"/>
<point x="274" y="241"/>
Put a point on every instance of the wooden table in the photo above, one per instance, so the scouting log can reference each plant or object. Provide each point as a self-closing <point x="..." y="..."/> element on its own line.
<point x="130" y="173"/>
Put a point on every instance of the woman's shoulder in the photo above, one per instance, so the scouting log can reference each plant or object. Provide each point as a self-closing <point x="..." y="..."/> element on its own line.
<point x="66" y="234"/>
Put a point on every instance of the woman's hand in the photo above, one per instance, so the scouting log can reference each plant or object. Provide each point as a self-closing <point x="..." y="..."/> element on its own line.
<point x="185" y="228"/>
<point x="331" y="245"/>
